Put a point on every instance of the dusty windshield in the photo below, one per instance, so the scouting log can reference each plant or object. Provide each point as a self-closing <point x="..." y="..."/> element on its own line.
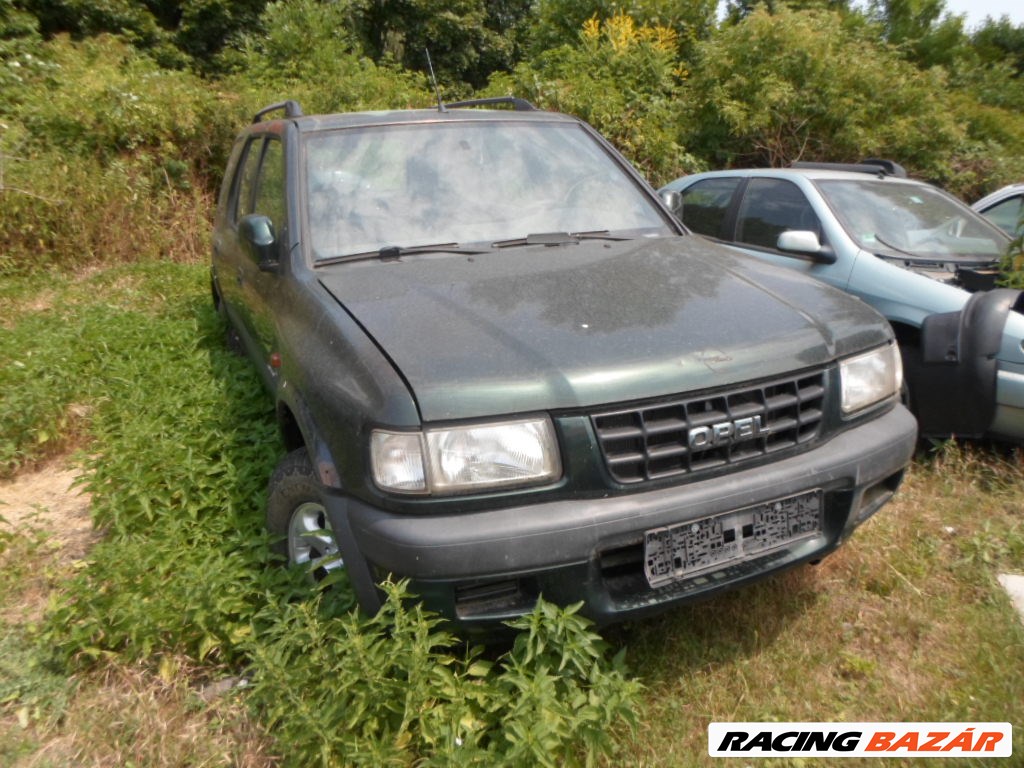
<point x="467" y="183"/>
<point x="910" y="220"/>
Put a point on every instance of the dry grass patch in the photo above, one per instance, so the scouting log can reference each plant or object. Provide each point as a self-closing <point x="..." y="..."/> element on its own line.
<point x="905" y="622"/>
<point x="128" y="716"/>
<point x="45" y="528"/>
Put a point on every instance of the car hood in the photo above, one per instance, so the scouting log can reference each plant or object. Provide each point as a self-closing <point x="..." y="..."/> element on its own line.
<point x="560" y="327"/>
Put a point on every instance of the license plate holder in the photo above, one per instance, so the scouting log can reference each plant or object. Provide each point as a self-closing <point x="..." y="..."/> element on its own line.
<point x="679" y="551"/>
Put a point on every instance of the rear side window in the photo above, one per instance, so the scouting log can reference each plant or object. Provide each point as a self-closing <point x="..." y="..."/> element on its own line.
<point x="705" y="204"/>
<point x="771" y="207"/>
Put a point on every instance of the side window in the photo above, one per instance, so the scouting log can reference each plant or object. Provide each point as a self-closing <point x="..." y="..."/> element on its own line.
<point x="1005" y="215"/>
<point x="246" y="179"/>
<point x="771" y="207"/>
<point x="706" y="203"/>
<point x="270" y="192"/>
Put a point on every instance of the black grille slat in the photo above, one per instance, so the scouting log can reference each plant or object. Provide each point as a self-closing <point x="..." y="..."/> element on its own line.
<point x="652" y="442"/>
<point x="625" y="458"/>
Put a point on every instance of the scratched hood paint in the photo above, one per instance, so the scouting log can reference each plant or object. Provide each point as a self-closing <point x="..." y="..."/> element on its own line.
<point x="560" y="327"/>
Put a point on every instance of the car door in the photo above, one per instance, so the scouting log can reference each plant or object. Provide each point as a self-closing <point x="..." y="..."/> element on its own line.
<point x="248" y="286"/>
<point x="769" y="208"/>
<point x="228" y="253"/>
<point x="704" y="206"/>
<point x="258" y="284"/>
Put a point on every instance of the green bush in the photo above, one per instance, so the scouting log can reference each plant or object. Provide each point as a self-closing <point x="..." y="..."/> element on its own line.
<point x="105" y="157"/>
<point x="396" y="689"/>
<point x="106" y="100"/>
<point x="310" y="52"/>
<point x="623" y="78"/>
<point x="805" y="86"/>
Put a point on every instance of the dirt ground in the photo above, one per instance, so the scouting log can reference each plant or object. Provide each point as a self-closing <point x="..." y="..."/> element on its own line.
<point x="45" y="500"/>
<point x="42" y="507"/>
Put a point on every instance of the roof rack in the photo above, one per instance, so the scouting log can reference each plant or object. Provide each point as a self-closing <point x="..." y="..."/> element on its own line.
<point x="291" y="109"/>
<point x="871" y="165"/>
<point x="519" y="105"/>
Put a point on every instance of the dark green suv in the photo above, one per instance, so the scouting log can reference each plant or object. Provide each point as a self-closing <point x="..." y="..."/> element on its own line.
<point x="503" y="369"/>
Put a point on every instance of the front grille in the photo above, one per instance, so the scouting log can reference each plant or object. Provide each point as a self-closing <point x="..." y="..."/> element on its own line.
<point x="652" y="442"/>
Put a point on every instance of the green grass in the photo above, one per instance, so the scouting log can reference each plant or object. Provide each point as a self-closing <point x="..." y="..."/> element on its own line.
<point x="177" y="443"/>
<point x="127" y="365"/>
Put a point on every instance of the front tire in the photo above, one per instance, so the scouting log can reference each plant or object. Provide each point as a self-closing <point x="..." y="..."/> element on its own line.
<point x="296" y="512"/>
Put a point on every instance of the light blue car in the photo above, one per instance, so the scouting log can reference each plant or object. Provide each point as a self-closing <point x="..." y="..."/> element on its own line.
<point x="916" y="254"/>
<point x="1004" y="208"/>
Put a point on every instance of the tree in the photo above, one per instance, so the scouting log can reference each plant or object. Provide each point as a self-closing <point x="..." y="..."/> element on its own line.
<point x="467" y="39"/>
<point x="921" y="28"/>
<point x="623" y="78"/>
<point x="998" y="41"/>
<point x="803" y="86"/>
<point x="312" y="51"/>
<point x="737" y="10"/>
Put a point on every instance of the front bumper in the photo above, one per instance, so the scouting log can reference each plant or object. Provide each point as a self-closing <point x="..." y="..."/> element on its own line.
<point x="482" y="567"/>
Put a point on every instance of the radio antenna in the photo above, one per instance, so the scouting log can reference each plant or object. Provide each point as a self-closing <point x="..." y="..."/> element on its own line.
<point x="433" y="79"/>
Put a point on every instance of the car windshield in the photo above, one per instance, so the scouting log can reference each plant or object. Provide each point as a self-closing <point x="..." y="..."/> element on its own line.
<point x="465" y="182"/>
<point x="911" y="220"/>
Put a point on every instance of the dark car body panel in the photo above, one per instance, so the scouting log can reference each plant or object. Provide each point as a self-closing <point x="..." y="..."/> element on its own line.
<point x="577" y="325"/>
<point x="563" y="331"/>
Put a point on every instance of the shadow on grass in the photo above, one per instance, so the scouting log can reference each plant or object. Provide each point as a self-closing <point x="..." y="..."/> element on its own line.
<point x="718" y="631"/>
<point x="249" y="415"/>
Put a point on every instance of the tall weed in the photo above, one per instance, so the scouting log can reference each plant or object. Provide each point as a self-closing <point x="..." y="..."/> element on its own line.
<point x="396" y="689"/>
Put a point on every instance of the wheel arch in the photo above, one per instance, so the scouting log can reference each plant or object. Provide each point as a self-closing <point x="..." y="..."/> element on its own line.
<point x="298" y="429"/>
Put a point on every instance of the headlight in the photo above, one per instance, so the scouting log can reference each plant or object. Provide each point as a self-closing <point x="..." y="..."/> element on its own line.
<point x="466" y="458"/>
<point x="870" y="378"/>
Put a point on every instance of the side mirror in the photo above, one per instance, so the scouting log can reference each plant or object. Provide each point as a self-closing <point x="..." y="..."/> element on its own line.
<point x="805" y="243"/>
<point x="673" y="201"/>
<point x="259" y="241"/>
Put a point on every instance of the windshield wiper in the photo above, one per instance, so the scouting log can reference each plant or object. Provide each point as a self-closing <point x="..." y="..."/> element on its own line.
<point x="558" y="238"/>
<point x="896" y="248"/>
<point x="392" y="252"/>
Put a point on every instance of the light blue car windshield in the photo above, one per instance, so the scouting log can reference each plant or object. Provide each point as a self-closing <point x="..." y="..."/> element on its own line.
<point x="465" y="182"/>
<point x="911" y="220"/>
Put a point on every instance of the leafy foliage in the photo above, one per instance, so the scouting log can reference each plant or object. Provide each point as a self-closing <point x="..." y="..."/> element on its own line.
<point x="467" y="39"/>
<point x="116" y="146"/>
<point x="920" y="29"/>
<point x="111" y="146"/>
<point x="558" y="22"/>
<point x="312" y="52"/>
<point x="792" y="86"/>
<point x="351" y="691"/>
<point x="623" y="79"/>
